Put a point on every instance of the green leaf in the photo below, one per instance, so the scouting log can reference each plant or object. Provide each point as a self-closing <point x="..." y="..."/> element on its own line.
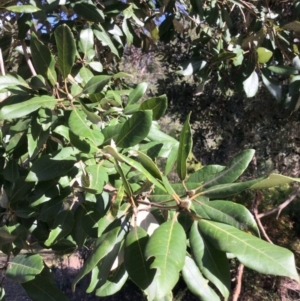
<point x="158" y="105"/>
<point x="135" y="129"/>
<point x="225" y="190"/>
<point x="171" y="159"/>
<point x="251" y="251"/>
<point x="27" y="9"/>
<point x="114" y="283"/>
<point x="8" y="80"/>
<point x="26" y="107"/>
<point x="205" y="173"/>
<point x="78" y="125"/>
<point x="185" y="147"/>
<point x="121" y="158"/>
<point x="52" y="166"/>
<point x="66" y="49"/>
<point x="196" y="283"/>
<point x="283" y="70"/>
<point x="98" y="177"/>
<point x="136" y="94"/>
<point x="43" y="60"/>
<point x="263" y="55"/>
<point x="104" y="38"/>
<point x="96" y="84"/>
<point x="168" y="247"/>
<point x="103" y="246"/>
<point x="88" y="11"/>
<point x="211" y="262"/>
<point x="25" y="267"/>
<point x="78" y="233"/>
<point x="62" y="226"/>
<point x="43" y="288"/>
<point x="136" y="265"/>
<point x="147" y="163"/>
<point x="235" y="168"/>
<point x="227" y="212"/>
<point x="274" y="180"/>
<point x="251" y="84"/>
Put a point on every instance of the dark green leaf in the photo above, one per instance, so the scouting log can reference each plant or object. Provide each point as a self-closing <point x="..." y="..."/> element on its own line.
<point x="96" y="84"/>
<point x="185" y="147"/>
<point x="283" y="70"/>
<point x="204" y="174"/>
<point x="25" y="267"/>
<point x="158" y="105"/>
<point x="168" y="247"/>
<point x="97" y="177"/>
<point x="43" y="59"/>
<point x="136" y="94"/>
<point x="211" y="262"/>
<point x="66" y="49"/>
<point x="24" y="108"/>
<point x="136" y="265"/>
<point x="135" y="129"/>
<point x="196" y="283"/>
<point x="88" y="11"/>
<point x="253" y="252"/>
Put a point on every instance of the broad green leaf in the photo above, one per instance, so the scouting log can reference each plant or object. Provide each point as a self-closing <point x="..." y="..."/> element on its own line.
<point x="11" y="171"/>
<point x="51" y="208"/>
<point x="62" y="226"/>
<point x="171" y="159"/>
<point x="78" y="125"/>
<point x="263" y="55"/>
<point x="212" y="263"/>
<point x="227" y="212"/>
<point x="66" y="47"/>
<point x="185" y="147"/>
<point x="86" y="40"/>
<point x="205" y="173"/>
<point x="97" y="177"/>
<point x="136" y="265"/>
<point x="158" y="105"/>
<point x="43" y="288"/>
<point x="25" y="267"/>
<point x="103" y="246"/>
<point x="135" y="129"/>
<point x="51" y="166"/>
<point x="104" y="38"/>
<point x="78" y="233"/>
<point x="168" y="247"/>
<point x="27" y="9"/>
<point x="26" y="107"/>
<point x="273" y="86"/>
<point x="43" y="59"/>
<point x="235" y="168"/>
<point x="88" y="11"/>
<point x="251" y="84"/>
<point x="97" y="66"/>
<point x="8" y="80"/>
<point x="196" y="283"/>
<point x="225" y="190"/>
<point x="85" y="75"/>
<point x="147" y="163"/>
<point x="274" y="180"/>
<point x="114" y="283"/>
<point x="223" y="56"/>
<point x="136" y="94"/>
<point x="121" y="158"/>
<point x="111" y="133"/>
<point x="91" y="116"/>
<point x="96" y="84"/>
<point x="283" y="70"/>
<point x="251" y="251"/>
<point x="20" y="189"/>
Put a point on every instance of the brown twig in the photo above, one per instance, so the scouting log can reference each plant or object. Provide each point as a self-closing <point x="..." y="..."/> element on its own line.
<point x="238" y="287"/>
<point x="281" y="206"/>
<point x="256" y="202"/>
<point x="2" y="69"/>
<point x="28" y="61"/>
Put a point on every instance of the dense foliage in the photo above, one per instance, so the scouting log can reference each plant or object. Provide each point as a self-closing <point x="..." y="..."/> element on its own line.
<point x="79" y="148"/>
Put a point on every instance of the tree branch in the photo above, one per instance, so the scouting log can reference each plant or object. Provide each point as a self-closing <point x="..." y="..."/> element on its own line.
<point x="28" y="61"/>
<point x="238" y="287"/>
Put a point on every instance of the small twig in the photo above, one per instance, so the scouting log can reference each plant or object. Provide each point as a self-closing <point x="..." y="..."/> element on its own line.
<point x="2" y="69"/>
<point x="238" y="287"/>
<point x="256" y="202"/>
<point x="281" y="206"/>
<point x="28" y="61"/>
